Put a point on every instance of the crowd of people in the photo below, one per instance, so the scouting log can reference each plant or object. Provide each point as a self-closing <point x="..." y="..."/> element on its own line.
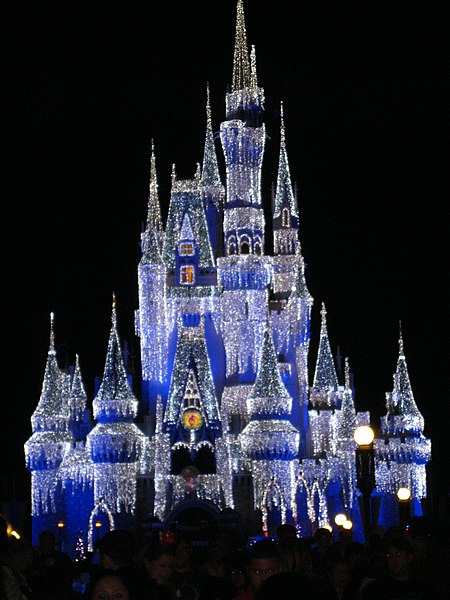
<point x="391" y="565"/>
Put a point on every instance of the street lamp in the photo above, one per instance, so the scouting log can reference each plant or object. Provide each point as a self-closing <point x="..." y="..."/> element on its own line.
<point x="365" y="473"/>
<point x="404" y="506"/>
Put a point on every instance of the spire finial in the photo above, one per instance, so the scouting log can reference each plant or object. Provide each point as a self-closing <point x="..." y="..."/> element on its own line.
<point x="241" y="65"/>
<point x="114" y="311"/>
<point x="323" y="314"/>
<point x="208" y="107"/>
<point x="52" y="331"/>
<point x="400" y="339"/>
<point x="282" y="128"/>
<point x="347" y="373"/>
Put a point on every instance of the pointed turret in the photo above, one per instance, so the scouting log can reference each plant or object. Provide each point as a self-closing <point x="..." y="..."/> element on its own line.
<point x="210" y="171"/>
<point x="269" y="432"/>
<point x="270" y="440"/>
<point x="325" y="384"/>
<point x="51" y="436"/>
<point x="115" y="443"/>
<point x="285" y="209"/>
<point x="347" y="416"/>
<point x="212" y="188"/>
<point x="154" y="221"/>
<point x="115" y="400"/>
<point x="401" y="400"/>
<point x="50" y="421"/>
<point x="77" y="402"/>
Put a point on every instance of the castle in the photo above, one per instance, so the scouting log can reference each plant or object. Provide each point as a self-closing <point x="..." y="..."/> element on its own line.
<point x="228" y="425"/>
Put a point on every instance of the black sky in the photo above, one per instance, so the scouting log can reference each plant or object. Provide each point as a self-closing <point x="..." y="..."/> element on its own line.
<point x="87" y="86"/>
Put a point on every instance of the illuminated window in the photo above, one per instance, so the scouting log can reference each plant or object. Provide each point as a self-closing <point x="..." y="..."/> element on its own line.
<point x="186" y="248"/>
<point x="285" y="217"/>
<point x="187" y="274"/>
<point x="244" y="245"/>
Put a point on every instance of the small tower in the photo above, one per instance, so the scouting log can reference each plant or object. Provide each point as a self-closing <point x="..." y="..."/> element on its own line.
<point x="115" y="443"/>
<point x="50" y="440"/>
<point x="243" y="137"/>
<point x="270" y="440"/>
<point x="324" y="395"/>
<point x="402" y="452"/>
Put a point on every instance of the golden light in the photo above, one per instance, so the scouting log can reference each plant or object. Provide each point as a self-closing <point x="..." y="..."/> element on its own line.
<point x="348" y="524"/>
<point x="340" y="519"/>
<point x="14" y="534"/>
<point x="98" y="524"/>
<point x="403" y="494"/>
<point x="330" y="529"/>
<point x="60" y="524"/>
<point x="364" y="435"/>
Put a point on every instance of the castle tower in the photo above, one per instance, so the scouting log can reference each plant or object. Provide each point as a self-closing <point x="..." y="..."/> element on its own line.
<point x="50" y="440"/>
<point x="269" y="440"/>
<point x="243" y="138"/>
<point x="325" y="396"/>
<point x="402" y="451"/>
<point x="151" y="318"/>
<point x="115" y="443"/>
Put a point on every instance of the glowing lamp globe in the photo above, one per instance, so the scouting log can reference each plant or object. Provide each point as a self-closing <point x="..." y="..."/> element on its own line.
<point x="60" y="524"/>
<point x="330" y="529"/>
<point x="364" y="435"/>
<point x="340" y="519"/>
<point x="404" y="494"/>
<point x="348" y="524"/>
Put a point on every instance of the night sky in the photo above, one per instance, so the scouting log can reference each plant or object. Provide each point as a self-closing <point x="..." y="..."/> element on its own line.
<point x="87" y="86"/>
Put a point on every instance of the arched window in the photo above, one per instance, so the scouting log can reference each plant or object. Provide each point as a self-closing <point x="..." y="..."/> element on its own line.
<point x="231" y="245"/>
<point x="244" y="246"/>
<point x="180" y="460"/>
<point x="285" y="217"/>
<point x="204" y="460"/>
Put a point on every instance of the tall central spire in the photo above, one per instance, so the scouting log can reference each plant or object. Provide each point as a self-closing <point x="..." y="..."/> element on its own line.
<point x="241" y="64"/>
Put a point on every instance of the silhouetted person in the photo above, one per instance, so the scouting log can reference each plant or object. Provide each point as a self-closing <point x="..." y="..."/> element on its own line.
<point x="400" y="581"/>
<point x="109" y="585"/>
<point x="320" y="551"/>
<point x="51" y="572"/>
<point x="263" y="562"/>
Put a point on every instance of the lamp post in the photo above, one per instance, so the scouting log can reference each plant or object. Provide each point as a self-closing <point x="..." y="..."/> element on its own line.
<point x="404" y="506"/>
<point x="365" y="473"/>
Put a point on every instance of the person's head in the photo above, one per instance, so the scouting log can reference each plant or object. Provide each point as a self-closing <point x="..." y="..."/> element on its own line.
<point x="294" y="555"/>
<point x="399" y="557"/>
<point x="236" y="570"/>
<point x="159" y="562"/>
<point x="117" y="549"/>
<point x="109" y="586"/>
<point x="322" y="537"/>
<point x="286" y="530"/>
<point x="47" y="542"/>
<point x="340" y="573"/>
<point x="264" y="561"/>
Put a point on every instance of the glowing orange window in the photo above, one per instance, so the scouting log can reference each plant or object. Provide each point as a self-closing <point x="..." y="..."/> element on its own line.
<point x="187" y="274"/>
<point x="186" y="248"/>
